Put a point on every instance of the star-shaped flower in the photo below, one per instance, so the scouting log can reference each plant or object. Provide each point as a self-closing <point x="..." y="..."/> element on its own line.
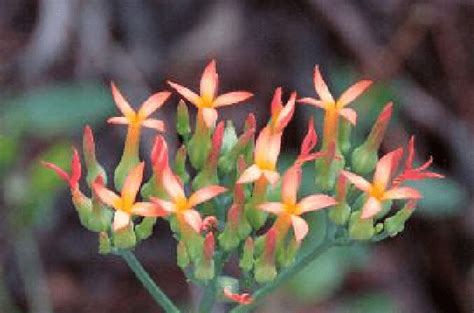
<point x="207" y="101"/>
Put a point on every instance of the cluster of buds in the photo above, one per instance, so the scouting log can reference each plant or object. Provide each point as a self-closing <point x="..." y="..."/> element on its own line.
<point x="215" y="195"/>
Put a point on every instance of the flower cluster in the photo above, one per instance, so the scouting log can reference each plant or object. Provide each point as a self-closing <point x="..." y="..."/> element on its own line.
<point x="215" y="194"/>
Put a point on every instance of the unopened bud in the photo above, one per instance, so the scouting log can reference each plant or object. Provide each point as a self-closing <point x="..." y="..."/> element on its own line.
<point x="104" y="243"/>
<point x="246" y="262"/>
<point x="182" y="120"/>
<point x="180" y="164"/>
<point x="145" y="228"/>
<point x="360" y="229"/>
<point x="125" y="238"/>
<point x="182" y="255"/>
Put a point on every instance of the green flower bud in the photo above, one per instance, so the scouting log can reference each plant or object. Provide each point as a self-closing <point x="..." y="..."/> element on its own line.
<point x="364" y="159"/>
<point x="182" y="120"/>
<point x="198" y="149"/>
<point x="396" y="223"/>
<point x="360" y="229"/>
<point x="326" y="174"/>
<point x="345" y="130"/>
<point x="204" y="269"/>
<point x="254" y="216"/>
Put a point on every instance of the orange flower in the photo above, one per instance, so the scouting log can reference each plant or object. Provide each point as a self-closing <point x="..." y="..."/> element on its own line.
<point x="334" y="108"/>
<point x="378" y="191"/>
<point x="182" y="206"/>
<point x="137" y="120"/>
<point x="125" y="204"/>
<point x="289" y="210"/>
<point x="267" y="147"/>
<point x="244" y="298"/>
<point x="207" y="101"/>
<point x="419" y="173"/>
<point x="73" y="178"/>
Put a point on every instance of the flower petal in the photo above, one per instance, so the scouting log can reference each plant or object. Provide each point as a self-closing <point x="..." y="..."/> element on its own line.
<point x="321" y="86"/>
<point x="121" y="220"/>
<point x="59" y="171"/>
<point x="107" y="196"/>
<point x="172" y="185"/>
<point x="371" y="207"/>
<point x="313" y="102"/>
<point x="186" y="93"/>
<point x="119" y="120"/>
<point x="148" y="209"/>
<point x="132" y="184"/>
<point x="353" y="92"/>
<point x="300" y="227"/>
<point x="315" y="202"/>
<point x="285" y="114"/>
<point x="231" y="98"/>
<point x="357" y="180"/>
<point x="349" y="114"/>
<point x="209" y="80"/>
<point x="209" y="116"/>
<point x="250" y="175"/>
<point x="205" y="194"/>
<point x="291" y="184"/>
<point x="154" y="124"/>
<point x="153" y="103"/>
<point x="402" y="193"/>
<point x="271" y="176"/>
<point x="387" y="164"/>
<point x="163" y="204"/>
<point x="272" y="207"/>
<point x="193" y="219"/>
<point x="121" y="103"/>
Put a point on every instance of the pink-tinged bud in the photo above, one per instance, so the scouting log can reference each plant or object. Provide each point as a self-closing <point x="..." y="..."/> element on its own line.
<point x="180" y="164"/>
<point x="205" y="265"/>
<point x="209" y="245"/>
<point x="216" y="146"/>
<point x="265" y="270"/>
<point x="209" y="224"/>
<point x="310" y="140"/>
<point x="340" y="213"/>
<point x="379" y="128"/>
<point x="94" y="169"/>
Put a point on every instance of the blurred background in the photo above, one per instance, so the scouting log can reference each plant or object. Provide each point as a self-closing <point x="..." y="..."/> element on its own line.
<point x="57" y="58"/>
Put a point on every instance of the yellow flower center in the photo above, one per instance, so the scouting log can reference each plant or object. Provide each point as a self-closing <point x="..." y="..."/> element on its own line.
<point x="207" y="101"/>
<point x="292" y="208"/>
<point x="377" y="191"/>
<point x="265" y="165"/>
<point x="182" y="204"/>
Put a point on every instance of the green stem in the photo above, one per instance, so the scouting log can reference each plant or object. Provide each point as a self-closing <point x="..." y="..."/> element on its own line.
<point x="283" y="277"/>
<point x="148" y="282"/>
<point x="210" y="292"/>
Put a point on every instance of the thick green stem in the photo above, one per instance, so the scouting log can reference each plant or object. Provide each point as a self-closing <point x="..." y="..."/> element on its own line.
<point x="147" y="282"/>
<point x="283" y="277"/>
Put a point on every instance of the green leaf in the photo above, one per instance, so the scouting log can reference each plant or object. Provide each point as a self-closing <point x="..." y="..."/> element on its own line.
<point x="56" y="109"/>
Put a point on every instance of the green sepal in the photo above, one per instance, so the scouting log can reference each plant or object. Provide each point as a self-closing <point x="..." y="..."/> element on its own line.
<point x="340" y="213"/>
<point x="360" y="229"/>
<point x="204" y="269"/>
<point x="326" y="174"/>
<point x="264" y="272"/>
<point x="364" y="160"/>
<point x="199" y="147"/>
<point x="254" y="216"/>
<point x="396" y="223"/>
<point x="127" y="163"/>
<point x="125" y="238"/>
<point x="247" y="260"/>
<point x="345" y="130"/>
<point x="145" y="228"/>
<point x="105" y="246"/>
